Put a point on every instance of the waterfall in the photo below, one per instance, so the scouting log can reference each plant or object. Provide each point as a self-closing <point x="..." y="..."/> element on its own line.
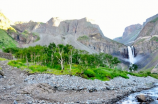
<point x="131" y="54"/>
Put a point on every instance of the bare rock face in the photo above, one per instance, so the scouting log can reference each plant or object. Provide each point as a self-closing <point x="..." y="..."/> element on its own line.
<point x="64" y="30"/>
<point x="147" y="41"/>
<point x="130" y="29"/>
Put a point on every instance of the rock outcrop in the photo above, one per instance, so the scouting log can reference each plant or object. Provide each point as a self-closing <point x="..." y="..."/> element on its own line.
<point x="130" y="34"/>
<point x="147" y="41"/>
<point x="6" y="55"/>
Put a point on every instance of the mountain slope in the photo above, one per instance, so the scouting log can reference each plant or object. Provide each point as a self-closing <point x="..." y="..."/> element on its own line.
<point x="130" y="34"/>
<point x="146" y="43"/>
<point x="6" y="40"/>
<point x="70" y="32"/>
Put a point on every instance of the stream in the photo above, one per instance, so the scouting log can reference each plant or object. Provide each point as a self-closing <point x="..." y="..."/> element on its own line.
<point x="131" y="99"/>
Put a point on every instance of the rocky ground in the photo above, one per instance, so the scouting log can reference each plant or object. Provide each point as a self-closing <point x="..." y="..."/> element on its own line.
<point x="17" y="87"/>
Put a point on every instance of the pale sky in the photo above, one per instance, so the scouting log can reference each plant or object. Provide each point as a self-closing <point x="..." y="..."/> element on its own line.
<point x="111" y="15"/>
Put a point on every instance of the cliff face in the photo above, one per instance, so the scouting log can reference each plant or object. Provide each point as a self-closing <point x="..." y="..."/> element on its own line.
<point x="130" y="34"/>
<point x="71" y="32"/>
<point x="147" y="43"/>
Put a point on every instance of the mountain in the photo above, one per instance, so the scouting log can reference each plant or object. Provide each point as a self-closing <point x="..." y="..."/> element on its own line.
<point x="146" y="43"/>
<point x="83" y="34"/>
<point x="130" y="34"/>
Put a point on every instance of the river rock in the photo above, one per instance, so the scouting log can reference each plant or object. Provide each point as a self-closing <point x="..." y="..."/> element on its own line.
<point x="144" y="98"/>
<point x="1" y="74"/>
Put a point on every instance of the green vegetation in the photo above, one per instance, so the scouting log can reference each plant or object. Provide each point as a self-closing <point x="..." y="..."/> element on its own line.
<point x="36" y="34"/>
<point x="154" y="38"/>
<point x="2" y="59"/>
<point x="25" y="33"/>
<point x="154" y="20"/>
<point x="5" y="40"/>
<point x="11" y="30"/>
<point x="84" y="37"/>
<point x="139" y="41"/>
<point x="62" y="59"/>
<point x="133" y="67"/>
<point x="66" y="60"/>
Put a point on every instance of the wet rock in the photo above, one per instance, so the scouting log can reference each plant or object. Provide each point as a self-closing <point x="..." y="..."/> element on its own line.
<point x="1" y="73"/>
<point x="141" y="98"/>
<point x="144" y="98"/>
<point x="1" y="76"/>
<point x="15" y="102"/>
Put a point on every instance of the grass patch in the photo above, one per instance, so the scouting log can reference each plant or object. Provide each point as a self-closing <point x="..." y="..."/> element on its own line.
<point x="100" y="73"/>
<point x="5" y="40"/>
<point x="154" y="39"/>
<point x="154" y="20"/>
<point x="139" y="41"/>
<point x="84" y="37"/>
<point x="3" y="59"/>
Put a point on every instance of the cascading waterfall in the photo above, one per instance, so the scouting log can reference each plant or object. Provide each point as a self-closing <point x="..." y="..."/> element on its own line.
<point x="131" y="54"/>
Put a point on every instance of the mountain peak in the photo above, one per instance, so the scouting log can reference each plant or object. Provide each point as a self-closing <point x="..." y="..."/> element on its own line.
<point x="54" y="21"/>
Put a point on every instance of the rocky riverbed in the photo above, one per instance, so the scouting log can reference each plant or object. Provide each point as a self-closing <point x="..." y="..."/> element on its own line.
<point x="17" y="87"/>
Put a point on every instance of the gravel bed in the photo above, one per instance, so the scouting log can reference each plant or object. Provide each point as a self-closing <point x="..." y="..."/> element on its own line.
<point x="66" y="82"/>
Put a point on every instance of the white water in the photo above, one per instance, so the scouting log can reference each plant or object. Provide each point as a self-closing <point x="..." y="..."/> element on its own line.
<point x="131" y="99"/>
<point x="131" y="54"/>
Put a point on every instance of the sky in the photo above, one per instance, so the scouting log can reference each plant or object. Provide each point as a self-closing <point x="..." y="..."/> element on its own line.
<point x="111" y="15"/>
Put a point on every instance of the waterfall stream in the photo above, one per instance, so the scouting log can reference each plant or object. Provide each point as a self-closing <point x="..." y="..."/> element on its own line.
<point x="131" y="54"/>
<point x="131" y="99"/>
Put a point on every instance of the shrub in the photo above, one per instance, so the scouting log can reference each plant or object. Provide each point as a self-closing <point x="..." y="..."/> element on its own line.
<point x="89" y="73"/>
<point x="84" y="37"/>
<point x="154" y="38"/>
<point x="133" y="67"/>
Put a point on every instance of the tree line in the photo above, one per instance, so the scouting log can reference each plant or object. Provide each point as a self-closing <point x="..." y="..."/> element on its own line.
<point x="57" y="56"/>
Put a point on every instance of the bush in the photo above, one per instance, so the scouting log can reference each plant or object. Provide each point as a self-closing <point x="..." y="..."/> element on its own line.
<point x="133" y="67"/>
<point x="89" y="73"/>
<point x="84" y="37"/>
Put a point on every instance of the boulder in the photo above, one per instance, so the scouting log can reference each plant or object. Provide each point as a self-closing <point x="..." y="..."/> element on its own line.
<point x="1" y="73"/>
<point x="144" y="98"/>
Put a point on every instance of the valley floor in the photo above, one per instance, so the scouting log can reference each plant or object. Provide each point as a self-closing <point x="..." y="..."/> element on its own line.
<point x="19" y="87"/>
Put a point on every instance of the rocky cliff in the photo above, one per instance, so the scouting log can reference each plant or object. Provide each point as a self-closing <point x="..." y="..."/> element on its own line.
<point x="130" y="34"/>
<point x="72" y="32"/>
<point x="147" y="43"/>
